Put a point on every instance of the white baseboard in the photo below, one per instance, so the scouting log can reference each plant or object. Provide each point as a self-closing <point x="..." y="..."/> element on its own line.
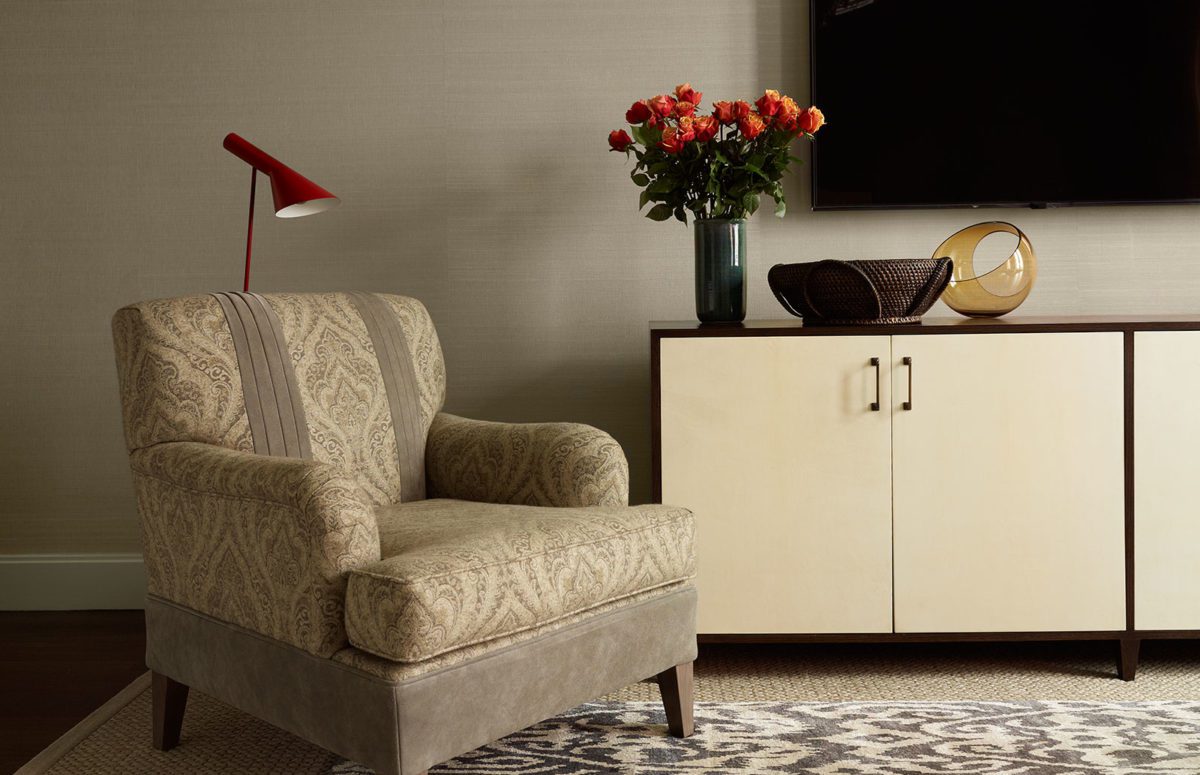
<point x="71" y="582"/>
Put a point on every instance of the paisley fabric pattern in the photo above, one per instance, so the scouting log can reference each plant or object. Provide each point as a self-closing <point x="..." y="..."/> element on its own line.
<point x="262" y="542"/>
<point x="863" y="738"/>
<point x="390" y="670"/>
<point x="349" y="420"/>
<point x="457" y="573"/>
<point x="425" y="350"/>
<point x="178" y="373"/>
<point x="180" y="379"/>
<point x="538" y="464"/>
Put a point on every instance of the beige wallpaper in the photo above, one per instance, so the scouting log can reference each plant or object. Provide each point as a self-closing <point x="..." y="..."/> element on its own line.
<point x="467" y="140"/>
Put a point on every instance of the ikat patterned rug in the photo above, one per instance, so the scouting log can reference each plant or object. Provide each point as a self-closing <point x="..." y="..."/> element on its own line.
<point x="863" y="738"/>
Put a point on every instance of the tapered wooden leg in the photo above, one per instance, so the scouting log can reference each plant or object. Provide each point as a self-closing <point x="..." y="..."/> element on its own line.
<point x="676" y="686"/>
<point x="1128" y="662"/>
<point x="168" y="700"/>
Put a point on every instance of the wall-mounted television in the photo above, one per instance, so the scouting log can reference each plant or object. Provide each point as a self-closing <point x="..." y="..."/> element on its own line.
<point x="1022" y="103"/>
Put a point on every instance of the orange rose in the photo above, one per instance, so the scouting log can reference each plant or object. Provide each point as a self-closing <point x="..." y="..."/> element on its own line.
<point x="670" y="142"/>
<point x="751" y="126"/>
<point x="619" y="140"/>
<point x="810" y="120"/>
<point x="686" y="132"/>
<point x="638" y="113"/>
<point x="685" y="93"/>
<point x="741" y="109"/>
<point x="768" y="104"/>
<point x="683" y="108"/>
<point x="706" y="128"/>
<point x="788" y="112"/>
<point x="663" y="104"/>
<point x="724" y="112"/>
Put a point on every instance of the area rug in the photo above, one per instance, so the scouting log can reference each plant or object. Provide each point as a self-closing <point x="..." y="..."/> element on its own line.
<point x="823" y="738"/>
<point x="890" y="738"/>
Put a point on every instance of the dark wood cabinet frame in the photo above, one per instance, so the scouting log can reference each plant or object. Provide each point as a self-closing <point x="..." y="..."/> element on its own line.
<point x="1129" y="639"/>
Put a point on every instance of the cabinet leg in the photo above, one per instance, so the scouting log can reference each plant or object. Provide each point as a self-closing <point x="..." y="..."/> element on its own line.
<point x="1128" y="661"/>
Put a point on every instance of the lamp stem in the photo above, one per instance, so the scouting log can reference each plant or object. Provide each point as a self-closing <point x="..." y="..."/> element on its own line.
<point x="250" y="229"/>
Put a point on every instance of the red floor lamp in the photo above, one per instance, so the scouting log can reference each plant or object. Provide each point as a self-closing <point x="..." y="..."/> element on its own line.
<point x="295" y="195"/>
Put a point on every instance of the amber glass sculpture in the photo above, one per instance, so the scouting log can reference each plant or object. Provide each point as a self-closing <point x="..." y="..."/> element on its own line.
<point x="993" y="292"/>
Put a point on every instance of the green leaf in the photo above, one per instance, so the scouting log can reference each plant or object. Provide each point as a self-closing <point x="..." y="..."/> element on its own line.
<point x="658" y="167"/>
<point x="663" y="186"/>
<point x="780" y="207"/>
<point x="643" y="199"/>
<point x="659" y="213"/>
<point x="640" y="179"/>
<point x="680" y="215"/>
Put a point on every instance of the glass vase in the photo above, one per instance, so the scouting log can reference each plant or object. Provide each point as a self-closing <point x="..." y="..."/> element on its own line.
<point x="720" y="270"/>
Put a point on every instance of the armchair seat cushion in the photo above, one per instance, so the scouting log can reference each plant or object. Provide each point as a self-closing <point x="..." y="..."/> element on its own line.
<point x="459" y="573"/>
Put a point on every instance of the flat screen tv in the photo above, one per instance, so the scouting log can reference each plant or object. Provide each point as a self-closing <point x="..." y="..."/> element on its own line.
<point x="1025" y="103"/>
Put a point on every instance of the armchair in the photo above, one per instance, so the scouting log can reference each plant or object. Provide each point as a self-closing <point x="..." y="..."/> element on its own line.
<point x="327" y="550"/>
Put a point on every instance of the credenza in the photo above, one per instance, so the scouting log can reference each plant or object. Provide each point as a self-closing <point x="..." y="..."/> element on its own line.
<point x="961" y="479"/>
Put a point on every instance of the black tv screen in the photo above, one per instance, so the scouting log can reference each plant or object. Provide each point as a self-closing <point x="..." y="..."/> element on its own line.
<point x="955" y="103"/>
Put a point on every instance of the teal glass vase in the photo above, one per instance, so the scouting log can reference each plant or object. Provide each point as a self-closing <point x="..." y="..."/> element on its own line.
<point x="721" y="270"/>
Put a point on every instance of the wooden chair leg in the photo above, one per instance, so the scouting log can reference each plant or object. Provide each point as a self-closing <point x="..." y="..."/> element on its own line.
<point x="168" y="700"/>
<point x="675" y="683"/>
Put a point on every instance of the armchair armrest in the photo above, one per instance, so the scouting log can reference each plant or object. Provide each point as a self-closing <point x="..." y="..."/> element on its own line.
<point x="538" y="464"/>
<point x="262" y="542"/>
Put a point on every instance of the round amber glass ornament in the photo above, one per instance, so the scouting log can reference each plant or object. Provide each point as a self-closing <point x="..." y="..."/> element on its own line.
<point x="996" y="291"/>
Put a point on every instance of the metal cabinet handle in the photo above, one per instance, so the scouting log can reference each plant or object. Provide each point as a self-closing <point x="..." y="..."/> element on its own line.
<point x="908" y="404"/>
<point x="875" y="403"/>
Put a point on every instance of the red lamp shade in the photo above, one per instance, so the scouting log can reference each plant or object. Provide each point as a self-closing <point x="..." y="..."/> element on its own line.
<point x="295" y="195"/>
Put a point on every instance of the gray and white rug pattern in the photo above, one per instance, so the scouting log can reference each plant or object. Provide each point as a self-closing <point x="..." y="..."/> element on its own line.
<point x="862" y="738"/>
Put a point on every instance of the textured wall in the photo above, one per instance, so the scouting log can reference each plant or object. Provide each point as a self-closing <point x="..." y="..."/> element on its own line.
<point x="467" y="140"/>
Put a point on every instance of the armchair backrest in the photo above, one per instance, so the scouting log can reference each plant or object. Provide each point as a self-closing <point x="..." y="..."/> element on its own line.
<point x="352" y="379"/>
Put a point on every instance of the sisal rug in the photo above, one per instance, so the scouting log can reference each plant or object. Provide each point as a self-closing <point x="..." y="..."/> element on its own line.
<point x="833" y="710"/>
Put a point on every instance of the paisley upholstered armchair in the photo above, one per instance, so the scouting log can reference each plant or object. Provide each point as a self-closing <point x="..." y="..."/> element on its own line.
<point x="328" y="551"/>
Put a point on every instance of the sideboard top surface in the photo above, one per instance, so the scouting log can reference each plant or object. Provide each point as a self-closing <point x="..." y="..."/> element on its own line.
<point x="1015" y="324"/>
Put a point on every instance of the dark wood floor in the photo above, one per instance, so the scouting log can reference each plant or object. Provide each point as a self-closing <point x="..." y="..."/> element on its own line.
<point x="57" y="667"/>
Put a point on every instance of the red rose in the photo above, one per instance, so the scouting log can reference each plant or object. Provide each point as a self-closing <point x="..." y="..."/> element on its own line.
<point x="685" y="93"/>
<point x="619" y="140"/>
<point x="751" y="126"/>
<point x="741" y="109"/>
<point x="684" y="109"/>
<point x="768" y="104"/>
<point x="724" y="112"/>
<point x="670" y="142"/>
<point x="706" y="128"/>
<point x="810" y="120"/>
<point x="663" y="104"/>
<point x="638" y="113"/>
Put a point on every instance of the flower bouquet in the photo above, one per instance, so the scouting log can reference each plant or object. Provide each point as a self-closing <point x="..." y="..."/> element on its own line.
<point x="717" y="167"/>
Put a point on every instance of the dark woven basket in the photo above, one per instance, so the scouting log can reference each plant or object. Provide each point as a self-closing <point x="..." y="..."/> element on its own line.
<point x="860" y="293"/>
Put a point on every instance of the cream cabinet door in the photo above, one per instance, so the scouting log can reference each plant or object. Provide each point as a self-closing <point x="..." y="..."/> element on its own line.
<point x="771" y="441"/>
<point x="1008" y="478"/>
<point x="1166" y="460"/>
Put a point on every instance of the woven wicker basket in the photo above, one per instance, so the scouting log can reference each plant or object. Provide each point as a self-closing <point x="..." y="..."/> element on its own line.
<point x="860" y="293"/>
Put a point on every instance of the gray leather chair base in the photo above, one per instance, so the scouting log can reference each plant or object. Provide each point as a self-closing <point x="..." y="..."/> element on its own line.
<point x="403" y="728"/>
